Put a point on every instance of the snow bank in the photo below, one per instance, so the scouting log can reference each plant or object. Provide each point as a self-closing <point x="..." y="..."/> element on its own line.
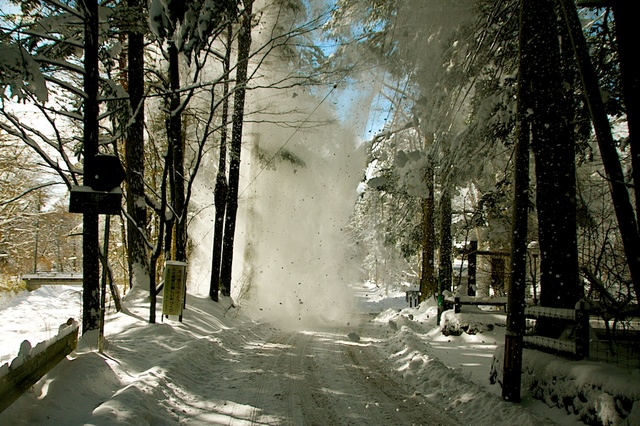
<point x="36" y="316"/>
<point x="599" y="394"/>
<point x="432" y="360"/>
<point x="414" y="350"/>
<point x="187" y="371"/>
<point x="473" y="322"/>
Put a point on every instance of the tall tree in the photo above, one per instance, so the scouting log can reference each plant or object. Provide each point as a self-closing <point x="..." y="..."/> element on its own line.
<point x="244" y="47"/>
<point x="427" y="276"/>
<point x="515" y="315"/>
<point x="134" y="149"/>
<point x="553" y="147"/>
<point x="626" y="218"/>
<point x="185" y="32"/>
<point x="176" y="158"/>
<point x="221" y="187"/>
<point x="626" y="37"/>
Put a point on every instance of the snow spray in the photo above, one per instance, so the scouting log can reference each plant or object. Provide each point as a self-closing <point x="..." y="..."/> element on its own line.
<point x="301" y="166"/>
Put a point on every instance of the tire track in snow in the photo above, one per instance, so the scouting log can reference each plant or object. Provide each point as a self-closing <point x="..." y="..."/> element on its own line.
<point x="323" y="378"/>
<point x="291" y="384"/>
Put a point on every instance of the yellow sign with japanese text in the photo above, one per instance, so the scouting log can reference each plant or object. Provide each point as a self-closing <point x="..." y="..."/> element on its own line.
<point x="175" y="274"/>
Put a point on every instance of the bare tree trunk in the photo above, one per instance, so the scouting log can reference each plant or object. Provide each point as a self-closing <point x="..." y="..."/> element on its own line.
<point x="619" y="195"/>
<point x="244" y="46"/>
<point x="445" y="270"/>
<point x="134" y="157"/>
<point x="221" y="189"/>
<point x="626" y="36"/>
<point x="512" y="379"/>
<point x="427" y="278"/>
<point x="554" y="152"/>
<point x="157" y="251"/>
<point x="177" y="158"/>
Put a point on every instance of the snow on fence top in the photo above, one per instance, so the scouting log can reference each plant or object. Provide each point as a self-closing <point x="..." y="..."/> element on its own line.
<point x="539" y="311"/>
<point x="26" y="351"/>
<point x="567" y="346"/>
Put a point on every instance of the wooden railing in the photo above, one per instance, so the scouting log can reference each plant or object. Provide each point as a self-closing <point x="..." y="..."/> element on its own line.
<point x="458" y="301"/>
<point x="413" y="298"/>
<point x="32" y="364"/>
<point x="575" y="343"/>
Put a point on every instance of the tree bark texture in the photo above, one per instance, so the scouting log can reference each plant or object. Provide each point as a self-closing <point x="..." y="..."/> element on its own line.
<point x="428" y="286"/>
<point x="610" y="160"/>
<point x="244" y="46"/>
<point x="134" y="156"/>
<point x="554" y="151"/>
<point x="221" y="188"/>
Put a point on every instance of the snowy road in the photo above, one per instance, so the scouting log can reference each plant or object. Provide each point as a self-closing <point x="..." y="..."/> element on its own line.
<point x="215" y="368"/>
<point x="220" y="367"/>
<point x="324" y="378"/>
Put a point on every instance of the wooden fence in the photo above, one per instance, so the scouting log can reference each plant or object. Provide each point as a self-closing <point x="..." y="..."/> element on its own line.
<point x="479" y="301"/>
<point x="32" y="364"/>
<point x="413" y="298"/>
<point x="574" y="343"/>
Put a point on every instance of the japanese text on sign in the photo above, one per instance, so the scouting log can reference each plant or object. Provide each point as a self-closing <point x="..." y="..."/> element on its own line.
<point x="174" y="282"/>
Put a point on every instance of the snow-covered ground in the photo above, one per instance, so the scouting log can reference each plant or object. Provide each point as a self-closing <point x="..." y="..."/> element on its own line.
<point x="218" y="367"/>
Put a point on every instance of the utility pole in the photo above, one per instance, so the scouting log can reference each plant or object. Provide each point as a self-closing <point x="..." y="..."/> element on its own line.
<point x="90" y="240"/>
<point x="102" y="175"/>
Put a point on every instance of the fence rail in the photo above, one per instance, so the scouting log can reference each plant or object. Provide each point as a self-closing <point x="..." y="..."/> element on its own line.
<point x="33" y="363"/>
<point x="588" y="335"/>
<point x="575" y="343"/>
<point x="478" y="301"/>
<point x="616" y="341"/>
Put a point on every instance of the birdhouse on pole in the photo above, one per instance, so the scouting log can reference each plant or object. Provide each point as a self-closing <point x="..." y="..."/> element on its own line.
<point x="107" y="172"/>
<point x="104" y="195"/>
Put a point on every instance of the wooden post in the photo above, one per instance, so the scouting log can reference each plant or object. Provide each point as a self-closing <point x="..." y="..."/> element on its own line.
<point x="471" y="267"/>
<point x="90" y="232"/>
<point x="582" y="330"/>
<point x="103" y="284"/>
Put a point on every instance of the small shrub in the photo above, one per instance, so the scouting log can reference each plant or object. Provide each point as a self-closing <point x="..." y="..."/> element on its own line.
<point x="11" y="285"/>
